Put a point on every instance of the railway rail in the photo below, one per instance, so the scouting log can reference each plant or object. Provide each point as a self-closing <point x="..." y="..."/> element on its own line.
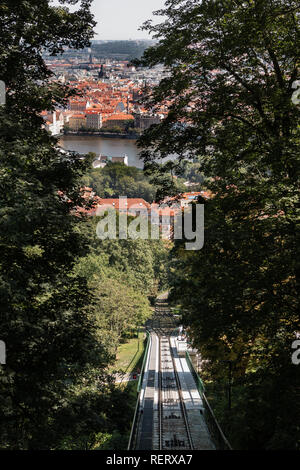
<point x="174" y="431"/>
<point x="171" y="423"/>
<point x="169" y="413"/>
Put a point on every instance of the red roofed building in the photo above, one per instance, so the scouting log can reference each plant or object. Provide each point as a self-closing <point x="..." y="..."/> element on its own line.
<point x="93" y="120"/>
<point x="130" y="205"/>
<point x="119" y="120"/>
<point x="78" y="105"/>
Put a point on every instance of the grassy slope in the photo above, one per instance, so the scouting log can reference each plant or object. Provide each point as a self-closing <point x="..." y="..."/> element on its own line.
<point x="129" y="358"/>
<point x="130" y="355"/>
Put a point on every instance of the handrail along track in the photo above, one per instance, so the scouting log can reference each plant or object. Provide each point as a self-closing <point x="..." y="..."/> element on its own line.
<point x="163" y="327"/>
<point x="173" y="412"/>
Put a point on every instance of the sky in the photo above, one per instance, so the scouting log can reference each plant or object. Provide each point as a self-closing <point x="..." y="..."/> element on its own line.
<point x="120" y="19"/>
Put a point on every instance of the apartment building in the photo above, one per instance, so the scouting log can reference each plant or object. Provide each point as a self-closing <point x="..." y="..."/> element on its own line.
<point x="77" y="121"/>
<point x="93" y="120"/>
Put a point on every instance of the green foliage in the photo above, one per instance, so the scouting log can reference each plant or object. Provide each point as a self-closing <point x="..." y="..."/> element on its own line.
<point x="190" y="171"/>
<point x="117" y="179"/>
<point x="119" y="308"/>
<point x="128" y="49"/>
<point x="123" y="275"/>
<point x="232" y="65"/>
<point x="114" y="129"/>
<point x="27" y="30"/>
<point x="125" y="126"/>
<point x="165" y="177"/>
<point x="142" y="262"/>
<point x="54" y="387"/>
<point x="130" y="353"/>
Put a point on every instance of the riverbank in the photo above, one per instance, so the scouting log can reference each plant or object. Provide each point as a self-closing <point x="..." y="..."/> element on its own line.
<point x="108" y="135"/>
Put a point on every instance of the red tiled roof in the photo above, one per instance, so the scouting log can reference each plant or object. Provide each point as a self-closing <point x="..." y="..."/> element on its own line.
<point x="120" y="117"/>
<point x="131" y="203"/>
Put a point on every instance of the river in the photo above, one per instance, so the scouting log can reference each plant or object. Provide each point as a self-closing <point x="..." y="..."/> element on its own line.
<point x="105" y="146"/>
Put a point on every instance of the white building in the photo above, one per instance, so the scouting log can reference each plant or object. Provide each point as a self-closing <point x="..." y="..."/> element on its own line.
<point x="54" y="122"/>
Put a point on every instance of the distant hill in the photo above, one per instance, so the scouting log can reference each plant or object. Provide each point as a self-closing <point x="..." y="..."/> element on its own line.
<point x="126" y="50"/>
<point x="119" y="50"/>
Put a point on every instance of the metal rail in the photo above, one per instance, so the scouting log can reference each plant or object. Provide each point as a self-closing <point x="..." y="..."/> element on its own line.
<point x="171" y="427"/>
<point x="135" y="422"/>
<point x="165" y="329"/>
<point x="212" y="423"/>
<point x="160" y="409"/>
<point x="144" y="362"/>
<point x="182" y="404"/>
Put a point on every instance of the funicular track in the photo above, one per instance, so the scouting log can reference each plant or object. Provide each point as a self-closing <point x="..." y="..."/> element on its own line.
<point x="174" y="429"/>
<point x="170" y="411"/>
<point x="173" y="426"/>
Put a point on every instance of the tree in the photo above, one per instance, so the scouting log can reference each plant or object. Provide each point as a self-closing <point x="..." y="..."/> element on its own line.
<point x="232" y="66"/>
<point x="140" y="264"/>
<point x="124" y="49"/>
<point x="119" y="308"/>
<point x="117" y="179"/>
